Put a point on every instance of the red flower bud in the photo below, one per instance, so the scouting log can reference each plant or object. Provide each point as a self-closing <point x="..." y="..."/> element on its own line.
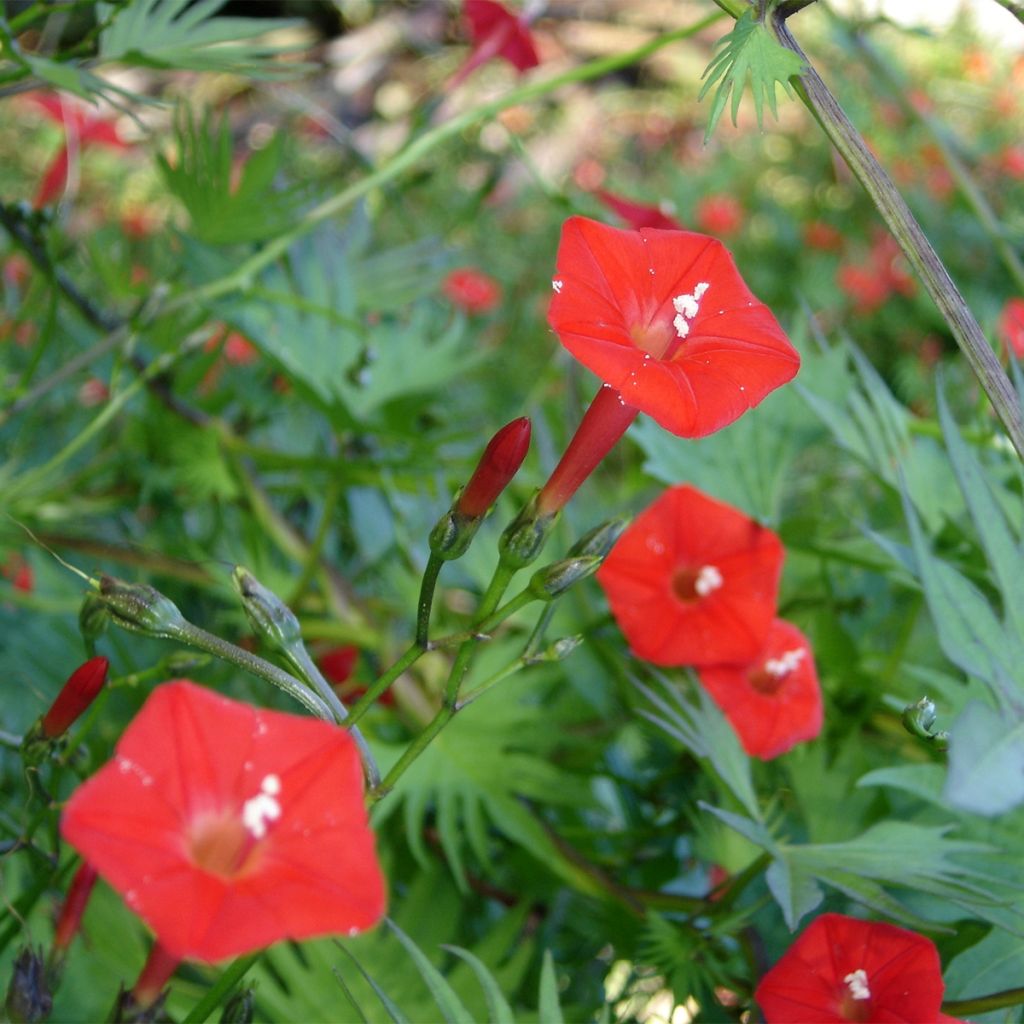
<point x="74" y="907"/>
<point x="78" y="693"/>
<point x="498" y="464"/>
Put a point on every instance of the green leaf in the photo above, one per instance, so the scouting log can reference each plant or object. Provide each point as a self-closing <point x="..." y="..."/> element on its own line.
<point x="188" y="36"/>
<point x="992" y="965"/>
<point x="923" y="780"/>
<point x="749" y="50"/>
<point x="202" y="178"/>
<point x="795" y="890"/>
<point x="550" y="1007"/>
<point x="67" y="76"/>
<point x="497" y="1004"/>
<point x="749" y="829"/>
<point x="1002" y="548"/>
<point x="447" y="1001"/>
<point x="986" y="761"/>
<point x="390" y="1007"/>
<point x="698" y="724"/>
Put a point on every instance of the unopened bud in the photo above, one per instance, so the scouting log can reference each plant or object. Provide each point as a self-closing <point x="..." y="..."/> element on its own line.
<point x="453" y="534"/>
<point x="500" y="462"/>
<point x="269" y="616"/>
<point x="140" y="608"/>
<point x="554" y="579"/>
<point x="93" y="617"/>
<point x="600" y="540"/>
<point x="28" y="995"/>
<point x="81" y="689"/>
<point x="524" y="537"/>
<point x="919" y="718"/>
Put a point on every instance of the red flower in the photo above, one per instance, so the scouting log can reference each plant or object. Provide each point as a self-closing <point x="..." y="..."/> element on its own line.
<point x="822" y="236"/>
<point x="1011" y="160"/>
<point x="665" y="319"/>
<point x="82" y="129"/>
<point x="1011" y="327"/>
<point x="719" y="214"/>
<point x="638" y="215"/>
<point x="17" y="569"/>
<point x="70" y="919"/>
<point x="239" y="350"/>
<point x="774" y="702"/>
<point x="693" y="581"/>
<point x="845" y="969"/>
<point x="497" y="32"/>
<point x="337" y="663"/>
<point x="865" y="286"/>
<point x="228" y="827"/>
<point x="471" y="290"/>
<point x="81" y="689"/>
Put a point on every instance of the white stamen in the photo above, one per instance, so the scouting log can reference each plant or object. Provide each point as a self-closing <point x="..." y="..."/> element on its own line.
<point x="557" y="284"/>
<point x="857" y="982"/>
<point x="687" y="307"/>
<point x="262" y="808"/>
<point x="709" y="579"/>
<point x="785" y="663"/>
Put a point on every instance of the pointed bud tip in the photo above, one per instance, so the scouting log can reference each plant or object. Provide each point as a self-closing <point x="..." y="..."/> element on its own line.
<point x="80" y="690"/>
<point x="500" y="462"/>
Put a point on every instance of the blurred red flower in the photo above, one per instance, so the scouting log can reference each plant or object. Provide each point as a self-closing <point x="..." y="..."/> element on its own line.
<point x="1011" y="160"/>
<point x="337" y="663"/>
<point x="693" y="581"/>
<point x="719" y="214"/>
<point x="82" y="128"/>
<point x="774" y="702"/>
<point x="495" y="32"/>
<point x="845" y="969"/>
<point x="822" y="236"/>
<point x="865" y="286"/>
<point x="638" y="215"/>
<point x="227" y="827"/>
<point x="1011" y="327"/>
<point x="17" y="569"/>
<point x="666" y="320"/>
<point x="471" y="290"/>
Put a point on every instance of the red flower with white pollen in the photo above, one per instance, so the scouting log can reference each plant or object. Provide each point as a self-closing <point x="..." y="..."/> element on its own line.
<point x="227" y="827"/>
<point x="471" y="290"/>
<point x="665" y="319"/>
<point x="1011" y="327"/>
<point x="693" y="581"/>
<point x="774" y="702"/>
<point x="844" y="969"/>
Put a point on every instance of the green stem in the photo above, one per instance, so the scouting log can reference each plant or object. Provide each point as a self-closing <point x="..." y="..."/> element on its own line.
<point x="499" y="583"/>
<point x="361" y="706"/>
<point x="984" y="1004"/>
<point x="196" y="636"/>
<point x="509" y="608"/>
<point x="427" y="587"/>
<point x="912" y="240"/>
<point x="537" y="636"/>
<point x="298" y="657"/>
<point x="218" y="991"/>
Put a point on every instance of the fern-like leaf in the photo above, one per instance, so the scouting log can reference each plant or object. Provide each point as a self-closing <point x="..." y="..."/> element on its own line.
<point x="748" y="50"/>
<point x="175" y="34"/>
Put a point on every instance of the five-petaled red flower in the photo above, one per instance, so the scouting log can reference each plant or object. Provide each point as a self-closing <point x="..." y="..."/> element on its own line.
<point x="693" y="581"/>
<point x="844" y="969"/>
<point x="1011" y="327"/>
<point x="227" y="827"/>
<point x="774" y="702"/>
<point x="665" y="319"/>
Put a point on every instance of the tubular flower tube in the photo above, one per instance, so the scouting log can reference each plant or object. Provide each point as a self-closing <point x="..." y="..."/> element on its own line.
<point x="495" y="32"/>
<point x="227" y="827"/>
<point x="70" y="919"/>
<point x="693" y="581"/>
<point x="845" y="969"/>
<point x="774" y="702"/>
<point x="500" y="462"/>
<point x="638" y="215"/>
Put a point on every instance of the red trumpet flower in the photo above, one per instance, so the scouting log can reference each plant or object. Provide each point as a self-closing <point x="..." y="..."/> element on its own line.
<point x="693" y="581"/>
<point x="774" y="702"/>
<point x="844" y="969"/>
<point x="227" y="827"/>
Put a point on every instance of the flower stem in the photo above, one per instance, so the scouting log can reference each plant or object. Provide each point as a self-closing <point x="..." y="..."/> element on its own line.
<point x="196" y="636"/>
<point x="984" y="1004"/>
<point x="426" y="601"/>
<point x="361" y="706"/>
<point x="912" y="240"/>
